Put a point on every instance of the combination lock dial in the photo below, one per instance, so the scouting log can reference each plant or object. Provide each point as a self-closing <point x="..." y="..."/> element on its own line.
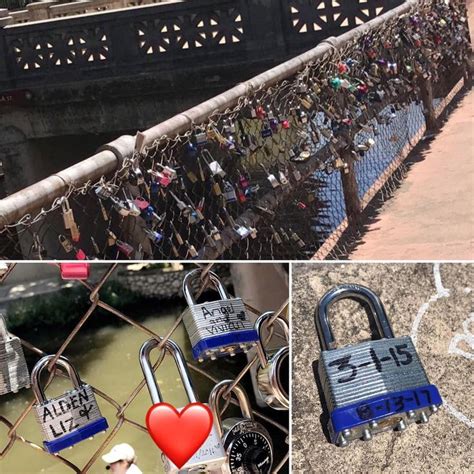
<point x="247" y="444"/>
<point x="249" y="447"/>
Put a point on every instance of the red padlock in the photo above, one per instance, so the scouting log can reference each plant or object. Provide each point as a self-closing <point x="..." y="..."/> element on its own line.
<point x="260" y="112"/>
<point x="241" y="195"/>
<point x="342" y="68"/>
<point x="75" y="271"/>
<point x="372" y="53"/>
<point x="141" y="203"/>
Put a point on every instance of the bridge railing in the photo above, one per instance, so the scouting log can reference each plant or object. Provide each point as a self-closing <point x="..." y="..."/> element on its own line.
<point x="173" y="36"/>
<point x="279" y="167"/>
<point x="23" y="11"/>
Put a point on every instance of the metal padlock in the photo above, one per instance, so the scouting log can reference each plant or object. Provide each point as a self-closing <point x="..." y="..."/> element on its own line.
<point x="372" y="386"/>
<point x="246" y="442"/>
<point x="68" y="215"/>
<point x="124" y="247"/>
<point x="74" y="271"/>
<point x="125" y="207"/>
<point x="13" y="369"/>
<point x="229" y="192"/>
<point x="217" y="328"/>
<point x="70" y="418"/>
<point x="273" y="375"/>
<point x="211" y="455"/>
<point x="214" y="166"/>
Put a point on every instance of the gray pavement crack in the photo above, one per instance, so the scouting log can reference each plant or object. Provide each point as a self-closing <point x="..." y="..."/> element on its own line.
<point x="389" y="452"/>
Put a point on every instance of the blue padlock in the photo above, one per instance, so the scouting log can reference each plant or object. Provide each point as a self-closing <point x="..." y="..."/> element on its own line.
<point x="70" y="418"/>
<point x="372" y="386"/>
<point x="217" y="328"/>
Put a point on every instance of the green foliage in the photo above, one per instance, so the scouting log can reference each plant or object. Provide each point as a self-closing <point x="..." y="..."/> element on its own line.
<point x="66" y="306"/>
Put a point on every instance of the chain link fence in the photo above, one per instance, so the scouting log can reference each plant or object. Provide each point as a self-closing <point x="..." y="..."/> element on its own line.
<point x="205" y="373"/>
<point x="284" y="172"/>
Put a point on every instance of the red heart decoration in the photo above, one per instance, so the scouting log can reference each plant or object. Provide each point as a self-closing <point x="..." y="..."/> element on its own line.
<point x="179" y="434"/>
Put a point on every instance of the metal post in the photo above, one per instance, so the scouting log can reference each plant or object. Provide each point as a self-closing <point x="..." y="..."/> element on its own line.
<point x="351" y="190"/>
<point x="426" y="89"/>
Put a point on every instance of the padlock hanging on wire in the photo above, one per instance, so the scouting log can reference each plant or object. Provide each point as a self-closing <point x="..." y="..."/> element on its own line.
<point x="372" y="386"/>
<point x="210" y="456"/>
<point x="13" y="368"/>
<point x="273" y="374"/>
<point x="247" y="444"/>
<point x="216" y="328"/>
<point x="74" y="271"/>
<point x="69" y="418"/>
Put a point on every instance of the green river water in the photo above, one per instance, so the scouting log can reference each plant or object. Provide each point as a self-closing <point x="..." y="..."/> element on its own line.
<point x="108" y="359"/>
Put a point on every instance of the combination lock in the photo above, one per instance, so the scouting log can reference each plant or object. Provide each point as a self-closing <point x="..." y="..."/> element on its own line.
<point x="247" y="443"/>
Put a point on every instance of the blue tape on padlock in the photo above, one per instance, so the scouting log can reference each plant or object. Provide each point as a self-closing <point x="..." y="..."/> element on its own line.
<point x="210" y="343"/>
<point x="383" y="406"/>
<point x="76" y="436"/>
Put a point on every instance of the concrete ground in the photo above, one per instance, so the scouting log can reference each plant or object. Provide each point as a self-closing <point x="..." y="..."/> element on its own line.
<point x="433" y="304"/>
<point x="431" y="215"/>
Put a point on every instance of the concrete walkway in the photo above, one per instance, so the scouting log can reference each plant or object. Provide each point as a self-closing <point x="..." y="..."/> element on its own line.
<point x="431" y="216"/>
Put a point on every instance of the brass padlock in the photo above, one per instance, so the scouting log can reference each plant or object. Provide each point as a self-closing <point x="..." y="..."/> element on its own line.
<point x="68" y="215"/>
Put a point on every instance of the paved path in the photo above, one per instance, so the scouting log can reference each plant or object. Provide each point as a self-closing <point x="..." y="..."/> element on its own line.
<point x="431" y="216"/>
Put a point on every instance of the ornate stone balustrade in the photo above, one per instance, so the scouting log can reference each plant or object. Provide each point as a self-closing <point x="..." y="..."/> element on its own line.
<point x="111" y="38"/>
<point x="49" y="9"/>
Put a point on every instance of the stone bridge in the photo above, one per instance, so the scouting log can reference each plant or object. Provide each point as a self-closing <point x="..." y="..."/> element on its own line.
<point x="76" y="75"/>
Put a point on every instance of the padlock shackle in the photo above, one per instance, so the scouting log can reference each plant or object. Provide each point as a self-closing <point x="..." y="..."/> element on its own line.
<point x="207" y="157"/>
<point x="215" y="395"/>
<point x="259" y="325"/>
<point x="217" y="283"/>
<point x="355" y="292"/>
<point x="181" y="365"/>
<point x="4" y="334"/>
<point x="38" y="369"/>
<point x="65" y="204"/>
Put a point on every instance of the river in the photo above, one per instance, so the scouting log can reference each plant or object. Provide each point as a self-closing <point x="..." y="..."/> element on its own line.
<point x="107" y="358"/>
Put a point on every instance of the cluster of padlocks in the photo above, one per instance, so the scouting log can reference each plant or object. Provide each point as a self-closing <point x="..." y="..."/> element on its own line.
<point x="75" y="415"/>
<point x="183" y="199"/>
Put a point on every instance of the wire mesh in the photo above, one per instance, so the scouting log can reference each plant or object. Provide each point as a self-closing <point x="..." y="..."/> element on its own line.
<point x="265" y="180"/>
<point x="13" y="426"/>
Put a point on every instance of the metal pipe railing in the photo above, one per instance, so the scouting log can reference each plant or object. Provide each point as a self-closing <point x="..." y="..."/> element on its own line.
<point x="35" y="197"/>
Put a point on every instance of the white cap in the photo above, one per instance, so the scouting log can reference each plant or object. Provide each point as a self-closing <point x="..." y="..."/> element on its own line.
<point x="120" y="452"/>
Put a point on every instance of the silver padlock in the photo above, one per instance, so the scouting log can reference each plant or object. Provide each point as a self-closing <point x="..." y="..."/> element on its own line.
<point x="273" y="377"/>
<point x="13" y="369"/>
<point x="246" y="442"/>
<point x="211" y="455"/>
<point x="372" y="386"/>
<point x="229" y="192"/>
<point x="217" y="328"/>
<point x="70" y="418"/>
<point x="214" y="166"/>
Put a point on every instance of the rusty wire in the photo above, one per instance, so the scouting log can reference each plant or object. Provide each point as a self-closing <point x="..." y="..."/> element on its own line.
<point x="121" y="408"/>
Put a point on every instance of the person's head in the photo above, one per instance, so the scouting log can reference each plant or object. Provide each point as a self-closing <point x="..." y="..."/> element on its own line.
<point x="120" y="458"/>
